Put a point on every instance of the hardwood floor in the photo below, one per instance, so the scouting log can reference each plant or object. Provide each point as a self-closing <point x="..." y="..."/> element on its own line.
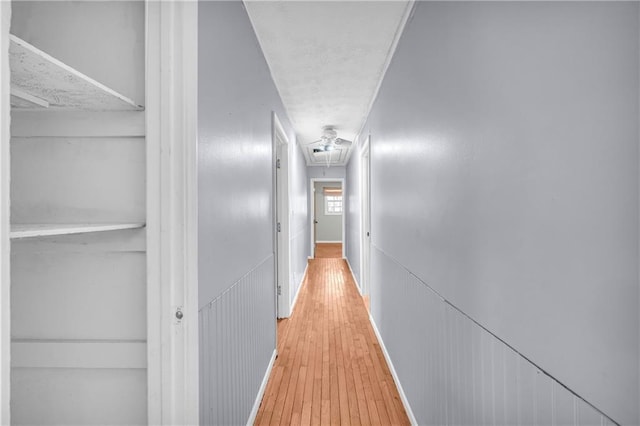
<point x="330" y="369"/>
<point x="328" y="251"/>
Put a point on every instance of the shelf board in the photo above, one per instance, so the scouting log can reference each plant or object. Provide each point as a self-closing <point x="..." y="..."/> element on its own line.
<point x="40" y="81"/>
<point x="47" y="230"/>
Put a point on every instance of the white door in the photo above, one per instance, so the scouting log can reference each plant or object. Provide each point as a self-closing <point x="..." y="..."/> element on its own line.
<point x="365" y="192"/>
<point x="282" y="220"/>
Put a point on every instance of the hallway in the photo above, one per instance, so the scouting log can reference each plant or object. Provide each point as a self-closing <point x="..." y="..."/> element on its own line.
<point x="329" y="250"/>
<point x="330" y="368"/>
<point x="463" y="175"/>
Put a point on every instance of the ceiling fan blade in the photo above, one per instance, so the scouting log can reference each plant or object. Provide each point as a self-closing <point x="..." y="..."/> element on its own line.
<point x="343" y="142"/>
<point x="314" y="142"/>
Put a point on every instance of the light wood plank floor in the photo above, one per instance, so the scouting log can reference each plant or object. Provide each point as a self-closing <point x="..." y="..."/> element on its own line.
<point x="328" y="250"/>
<point x="330" y="369"/>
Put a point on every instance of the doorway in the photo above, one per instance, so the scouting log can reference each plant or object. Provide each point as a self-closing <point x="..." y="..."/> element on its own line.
<point x="365" y="222"/>
<point x="281" y="215"/>
<point x="327" y="224"/>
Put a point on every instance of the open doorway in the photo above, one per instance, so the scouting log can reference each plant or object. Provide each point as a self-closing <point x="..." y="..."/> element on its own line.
<point x="365" y="222"/>
<point x="327" y="225"/>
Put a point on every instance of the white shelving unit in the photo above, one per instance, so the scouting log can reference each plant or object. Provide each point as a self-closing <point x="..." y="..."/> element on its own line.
<point x="78" y="225"/>
<point x="91" y="268"/>
<point x="40" y="82"/>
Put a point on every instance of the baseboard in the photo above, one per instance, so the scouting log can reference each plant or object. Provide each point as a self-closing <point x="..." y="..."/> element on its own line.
<point x="295" y="298"/>
<point x="328" y="242"/>
<point x="263" y="387"/>
<point x="353" y="276"/>
<point x="403" y="397"/>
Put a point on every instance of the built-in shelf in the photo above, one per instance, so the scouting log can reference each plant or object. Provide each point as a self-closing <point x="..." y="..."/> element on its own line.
<point x="40" y="81"/>
<point x="47" y="230"/>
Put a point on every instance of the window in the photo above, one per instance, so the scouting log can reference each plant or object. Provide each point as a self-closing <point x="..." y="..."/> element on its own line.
<point x="333" y="204"/>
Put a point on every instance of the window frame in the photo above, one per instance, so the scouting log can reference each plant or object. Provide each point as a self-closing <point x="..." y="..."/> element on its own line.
<point x="333" y="199"/>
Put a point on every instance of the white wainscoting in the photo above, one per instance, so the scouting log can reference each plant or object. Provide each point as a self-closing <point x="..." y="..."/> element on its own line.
<point x="455" y="372"/>
<point x="237" y="340"/>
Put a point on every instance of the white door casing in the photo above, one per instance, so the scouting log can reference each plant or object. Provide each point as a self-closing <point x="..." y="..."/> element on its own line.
<point x="172" y="214"/>
<point x="282" y="250"/>
<point x="365" y="217"/>
<point x="5" y="116"/>
<point x="312" y="183"/>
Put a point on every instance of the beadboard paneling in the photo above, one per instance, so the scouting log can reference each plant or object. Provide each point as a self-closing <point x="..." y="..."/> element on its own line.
<point x="237" y="337"/>
<point x="453" y="371"/>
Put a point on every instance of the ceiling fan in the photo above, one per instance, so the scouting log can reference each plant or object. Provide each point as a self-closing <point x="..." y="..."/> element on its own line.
<point x="329" y="141"/>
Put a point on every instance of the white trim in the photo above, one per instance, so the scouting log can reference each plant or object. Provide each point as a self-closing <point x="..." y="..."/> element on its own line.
<point x="365" y="267"/>
<point x="344" y="221"/>
<point x="326" y="205"/>
<point x="328" y="242"/>
<point x="172" y="212"/>
<point x="5" y="284"/>
<point x="295" y="298"/>
<point x="46" y="230"/>
<point x="263" y="387"/>
<point x="312" y="203"/>
<point x="403" y="397"/>
<point x="29" y="98"/>
<point x="282" y="213"/>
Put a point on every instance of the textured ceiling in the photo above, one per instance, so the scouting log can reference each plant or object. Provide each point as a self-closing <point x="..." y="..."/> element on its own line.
<point x="327" y="59"/>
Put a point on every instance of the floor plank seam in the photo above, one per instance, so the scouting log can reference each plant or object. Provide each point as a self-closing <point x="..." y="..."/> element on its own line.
<point x="330" y="368"/>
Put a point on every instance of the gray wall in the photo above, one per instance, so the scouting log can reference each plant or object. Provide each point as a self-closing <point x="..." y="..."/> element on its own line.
<point x="329" y="227"/>
<point x="352" y="207"/>
<point x="505" y="187"/>
<point x="300" y="219"/>
<point x="236" y="259"/>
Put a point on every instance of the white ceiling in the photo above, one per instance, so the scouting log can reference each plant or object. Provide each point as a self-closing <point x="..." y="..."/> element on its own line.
<point x="327" y="59"/>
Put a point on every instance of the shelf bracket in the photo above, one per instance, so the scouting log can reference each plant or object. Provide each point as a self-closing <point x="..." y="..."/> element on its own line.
<point x="26" y="97"/>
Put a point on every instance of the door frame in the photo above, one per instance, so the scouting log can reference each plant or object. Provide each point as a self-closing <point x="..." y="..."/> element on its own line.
<point x="172" y="212"/>
<point x="312" y="197"/>
<point x="5" y="286"/>
<point x="281" y="213"/>
<point x="365" y="217"/>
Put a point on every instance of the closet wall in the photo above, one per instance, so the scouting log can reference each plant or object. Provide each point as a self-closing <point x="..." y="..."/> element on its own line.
<point x="78" y="209"/>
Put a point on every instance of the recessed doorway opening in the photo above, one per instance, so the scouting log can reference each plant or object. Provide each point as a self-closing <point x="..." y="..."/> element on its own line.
<point x="327" y="224"/>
